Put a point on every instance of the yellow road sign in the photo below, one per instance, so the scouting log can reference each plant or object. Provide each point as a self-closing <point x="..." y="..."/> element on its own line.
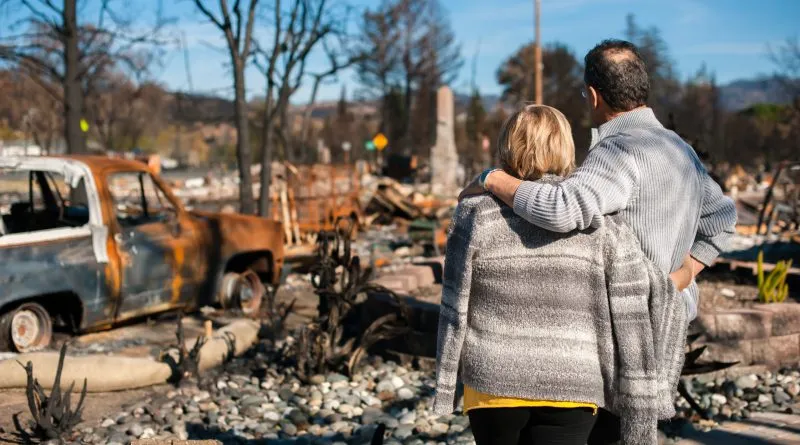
<point x="380" y="141"/>
<point x="84" y="125"/>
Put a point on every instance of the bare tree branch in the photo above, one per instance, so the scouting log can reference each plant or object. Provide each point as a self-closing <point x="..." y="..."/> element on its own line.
<point x="209" y="15"/>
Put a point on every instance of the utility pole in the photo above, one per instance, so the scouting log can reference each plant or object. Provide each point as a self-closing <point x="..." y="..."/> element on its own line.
<point x="537" y="54"/>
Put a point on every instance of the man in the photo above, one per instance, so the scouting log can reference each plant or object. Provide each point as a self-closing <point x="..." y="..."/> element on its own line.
<point x="635" y="167"/>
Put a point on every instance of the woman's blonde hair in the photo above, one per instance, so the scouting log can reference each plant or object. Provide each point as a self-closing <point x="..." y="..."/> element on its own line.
<point x="534" y="141"/>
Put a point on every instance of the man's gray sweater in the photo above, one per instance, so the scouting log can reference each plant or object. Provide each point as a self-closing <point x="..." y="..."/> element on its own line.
<point x="581" y="317"/>
<point x="654" y="179"/>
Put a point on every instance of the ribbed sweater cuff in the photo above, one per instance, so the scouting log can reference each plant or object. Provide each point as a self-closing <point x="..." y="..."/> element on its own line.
<point x="702" y="251"/>
<point x="523" y="196"/>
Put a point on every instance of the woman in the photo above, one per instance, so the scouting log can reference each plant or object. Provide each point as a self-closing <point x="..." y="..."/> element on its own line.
<point x="544" y="328"/>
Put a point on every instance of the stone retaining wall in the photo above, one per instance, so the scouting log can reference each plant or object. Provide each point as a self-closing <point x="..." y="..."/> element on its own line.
<point x="768" y="334"/>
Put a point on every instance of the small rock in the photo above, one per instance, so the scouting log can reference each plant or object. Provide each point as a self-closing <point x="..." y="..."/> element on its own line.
<point x="440" y="428"/>
<point x="370" y="415"/>
<point x="389" y="421"/>
<point x="288" y="428"/>
<point x="457" y="429"/>
<point x="334" y="378"/>
<point x="147" y="433"/>
<point x="271" y="416"/>
<point x="135" y="430"/>
<point x="386" y="396"/>
<point x="298" y="418"/>
<point x="341" y="426"/>
<point x="370" y="400"/>
<point x="221" y="384"/>
<point x="421" y="426"/>
<point x="332" y="404"/>
<point x="345" y="409"/>
<point x="719" y="399"/>
<point x="397" y="382"/>
<point x="725" y="292"/>
<point x="764" y="400"/>
<point x="317" y="379"/>
<point x="108" y="422"/>
<point x="793" y="389"/>
<point x="781" y="397"/>
<point x="747" y="381"/>
<point x="403" y="432"/>
<point x="405" y="393"/>
<point x="408" y="419"/>
<point x="342" y="385"/>
<point x="385" y="386"/>
<point x="285" y="394"/>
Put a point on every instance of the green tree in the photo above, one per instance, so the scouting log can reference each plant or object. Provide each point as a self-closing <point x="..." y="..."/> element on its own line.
<point x="562" y="82"/>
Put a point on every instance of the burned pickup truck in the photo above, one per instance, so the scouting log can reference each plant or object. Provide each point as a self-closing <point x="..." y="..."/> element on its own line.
<point x="87" y="242"/>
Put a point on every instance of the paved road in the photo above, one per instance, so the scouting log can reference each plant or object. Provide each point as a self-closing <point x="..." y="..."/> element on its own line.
<point x="760" y="429"/>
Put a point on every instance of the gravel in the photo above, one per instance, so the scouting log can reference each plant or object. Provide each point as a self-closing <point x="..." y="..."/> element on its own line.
<point x="251" y="398"/>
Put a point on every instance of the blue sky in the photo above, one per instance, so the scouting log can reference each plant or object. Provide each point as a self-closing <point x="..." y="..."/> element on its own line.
<point x="730" y="36"/>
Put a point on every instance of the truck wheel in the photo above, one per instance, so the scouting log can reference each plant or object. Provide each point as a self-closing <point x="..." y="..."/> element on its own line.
<point x="26" y="328"/>
<point x="242" y="291"/>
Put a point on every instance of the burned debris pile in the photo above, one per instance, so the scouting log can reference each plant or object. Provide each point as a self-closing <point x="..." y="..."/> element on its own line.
<point x="329" y="343"/>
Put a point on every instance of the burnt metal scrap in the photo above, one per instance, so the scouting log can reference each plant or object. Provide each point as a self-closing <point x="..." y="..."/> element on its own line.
<point x="320" y="346"/>
<point x="53" y="415"/>
<point x="780" y="211"/>
<point x="274" y="314"/>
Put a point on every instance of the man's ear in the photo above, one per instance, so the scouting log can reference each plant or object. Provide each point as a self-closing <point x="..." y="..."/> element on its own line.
<point x="596" y="98"/>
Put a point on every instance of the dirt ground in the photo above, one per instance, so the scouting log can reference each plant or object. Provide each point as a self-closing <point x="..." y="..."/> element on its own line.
<point x="97" y="406"/>
<point x="144" y="338"/>
<point x="149" y="337"/>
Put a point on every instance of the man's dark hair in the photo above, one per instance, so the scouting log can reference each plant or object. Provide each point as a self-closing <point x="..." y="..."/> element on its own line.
<point x="616" y="70"/>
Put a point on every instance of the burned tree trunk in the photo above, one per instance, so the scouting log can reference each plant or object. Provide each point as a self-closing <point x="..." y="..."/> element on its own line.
<point x="73" y="94"/>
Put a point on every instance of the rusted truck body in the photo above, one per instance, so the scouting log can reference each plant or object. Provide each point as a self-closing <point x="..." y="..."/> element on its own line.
<point x="88" y="242"/>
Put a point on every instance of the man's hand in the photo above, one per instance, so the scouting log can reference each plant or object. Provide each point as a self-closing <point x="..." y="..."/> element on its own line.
<point x="503" y="186"/>
<point x="498" y="183"/>
<point x="686" y="273"/>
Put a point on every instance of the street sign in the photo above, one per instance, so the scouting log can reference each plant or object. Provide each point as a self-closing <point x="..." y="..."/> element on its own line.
<point x="346" y="146"/>
<point x="369" y="145"/>
<point x="380" y="141"/>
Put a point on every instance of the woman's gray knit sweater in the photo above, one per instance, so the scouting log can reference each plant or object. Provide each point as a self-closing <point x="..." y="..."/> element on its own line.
<point x="581" y="317"/>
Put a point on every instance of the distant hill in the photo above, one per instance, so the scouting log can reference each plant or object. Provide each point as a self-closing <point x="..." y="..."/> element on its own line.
<point x="741" y="94"/>
<point x="735" y="96"/>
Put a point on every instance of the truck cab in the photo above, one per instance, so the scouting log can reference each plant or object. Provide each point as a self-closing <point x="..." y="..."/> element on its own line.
<point x="87" y="242"/>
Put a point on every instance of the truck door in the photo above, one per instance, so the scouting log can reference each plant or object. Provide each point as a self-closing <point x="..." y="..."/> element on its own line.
<point x="152" y="244"/>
